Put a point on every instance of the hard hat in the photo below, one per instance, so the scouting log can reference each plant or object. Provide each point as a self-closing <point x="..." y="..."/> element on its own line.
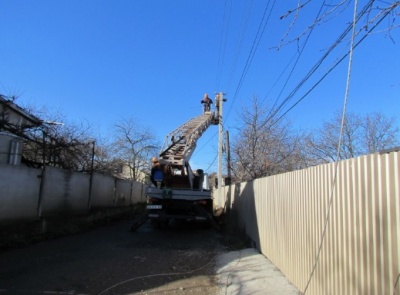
<point x="154" y="160"/>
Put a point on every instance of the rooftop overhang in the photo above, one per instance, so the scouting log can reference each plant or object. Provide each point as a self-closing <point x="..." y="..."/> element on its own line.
<point x="18" y="116"/>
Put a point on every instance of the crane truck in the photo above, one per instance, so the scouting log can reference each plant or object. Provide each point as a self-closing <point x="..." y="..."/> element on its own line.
<point x="181" y="193"/>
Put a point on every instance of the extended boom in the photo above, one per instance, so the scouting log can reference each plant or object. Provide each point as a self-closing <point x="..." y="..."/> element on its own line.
<point x="182" y="193"/>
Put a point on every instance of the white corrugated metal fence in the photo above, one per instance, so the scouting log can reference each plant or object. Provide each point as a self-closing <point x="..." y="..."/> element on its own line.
<point x="331" y="229"/>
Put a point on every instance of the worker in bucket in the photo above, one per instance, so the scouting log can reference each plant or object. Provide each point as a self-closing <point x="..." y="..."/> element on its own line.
<point x="206" y="101"/>
<point x="157" y="176"/>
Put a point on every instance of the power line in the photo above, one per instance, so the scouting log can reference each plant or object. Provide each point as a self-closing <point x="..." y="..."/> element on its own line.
<point x="300" y="53"/>
<point x="314" y="68"/>
<point x="335" y="65"/>
<point x="256" y="42"/>
<point x="222" y="46"/>
<point x="245" y="20"/>
<point x="212" y="162"/>
<point x="199" y="149"/>
<point x="338" y="148"/>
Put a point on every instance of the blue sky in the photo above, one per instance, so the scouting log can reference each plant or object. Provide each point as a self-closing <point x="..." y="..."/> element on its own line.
<point x="102" y="61"/>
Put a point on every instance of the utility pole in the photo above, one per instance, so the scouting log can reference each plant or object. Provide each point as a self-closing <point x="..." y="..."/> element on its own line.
<point x="44" y="125"/>
<point x="41" y="187"/>
<point x="220" y="99"/>
<point x="91" y="176"/>
<point x="228" y="156"/>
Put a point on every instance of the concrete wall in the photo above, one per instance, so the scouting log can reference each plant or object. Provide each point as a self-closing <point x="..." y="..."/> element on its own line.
<point x="102" y="191"/>
<point x="138" y="193"/>
<point x="19" y="193"/>
<point x="64" y="193"/>
<point x="122" y="192"/>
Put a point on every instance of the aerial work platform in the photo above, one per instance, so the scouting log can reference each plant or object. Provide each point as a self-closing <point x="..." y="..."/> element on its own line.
<point x="180" y="143"/>
<point x="182" y="193"/>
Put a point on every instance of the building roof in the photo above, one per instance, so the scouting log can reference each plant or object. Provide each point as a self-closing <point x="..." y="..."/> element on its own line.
<point x="18" y="116"/>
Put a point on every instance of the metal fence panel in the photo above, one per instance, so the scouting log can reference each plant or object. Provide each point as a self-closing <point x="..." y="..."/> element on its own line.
<point x="331" y="229"/>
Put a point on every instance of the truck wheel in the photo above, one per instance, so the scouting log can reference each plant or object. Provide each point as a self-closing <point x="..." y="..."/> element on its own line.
<point x="155" y="223"/>
<point x="160" y="224"/>
<point x="164" y="223"/>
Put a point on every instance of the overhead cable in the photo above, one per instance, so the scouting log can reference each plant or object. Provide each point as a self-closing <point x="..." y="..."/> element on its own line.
<point x="346" y="97"/>
<point x="297" y="59"/>
<point x="315" y="67"/>
<point x="253" y="50"/>
<point x="242" y="33"/>
<point x="223" y="41"/>
<point x="387" y="12"/>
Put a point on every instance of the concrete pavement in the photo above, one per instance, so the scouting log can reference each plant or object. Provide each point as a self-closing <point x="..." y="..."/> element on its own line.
<point x="249" y="272"/>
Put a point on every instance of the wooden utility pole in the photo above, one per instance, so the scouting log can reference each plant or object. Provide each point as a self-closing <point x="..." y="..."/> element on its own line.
<point x="228" y="157"/>
<point x="219" y="100"/>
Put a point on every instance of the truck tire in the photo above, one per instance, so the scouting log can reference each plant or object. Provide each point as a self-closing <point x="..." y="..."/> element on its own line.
<point x="160" y="223"/>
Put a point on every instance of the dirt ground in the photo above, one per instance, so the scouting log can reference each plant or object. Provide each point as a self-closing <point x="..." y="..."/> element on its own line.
<point x="111" y="259"/>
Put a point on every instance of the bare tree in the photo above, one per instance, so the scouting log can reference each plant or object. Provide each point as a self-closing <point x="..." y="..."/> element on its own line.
<point x="361" y="135"/>
<point x="133" y="147"/>
<point x="72" y="146"/>
<point x="104" y="161"/>
<point x="66" y="146"/>
<point x="262" y="147"/>
<point x="379" y="133"/>
<point x="369" y="17"/>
